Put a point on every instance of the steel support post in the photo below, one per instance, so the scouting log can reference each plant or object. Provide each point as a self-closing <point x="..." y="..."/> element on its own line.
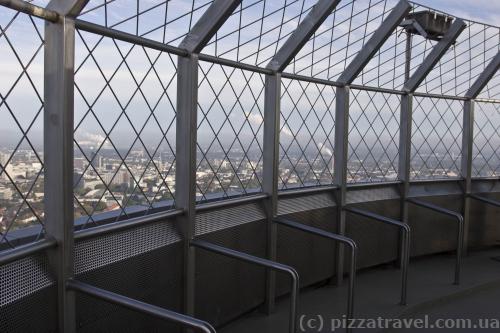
<point x="270" y="175"/>
<point x="466" y="165"/>
<point x="405" y="120"/>
<point x="185" y="169"/>
<point x="340" y="169"/>
<point x="59" y="53"/>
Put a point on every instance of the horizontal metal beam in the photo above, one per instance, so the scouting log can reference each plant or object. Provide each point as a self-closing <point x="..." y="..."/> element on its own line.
<point x="24" y="251"/>
<point x="376" y="41"/>
<point x="405" y="244"/>
<point x="234" y="64"/>
<point x="460" y="234"/>
<point x="203" y="207"/>
<point x="135" y="305"/>
<point x="264" y="263"/>
<point x="302" y="34"/>
<point x="434" y="56"/>
<point x="31" y="9"/>
<point x="335" y="237"/>
<point x="127" y="224"/>
<point x="129" y="38"/>
<point x="208" y="24"/>
<point x="484" y="77"/>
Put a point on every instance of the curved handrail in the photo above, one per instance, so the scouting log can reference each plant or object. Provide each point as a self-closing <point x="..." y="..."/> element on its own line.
<point x="325" y="234"/>
<point x="260" y="262"/>
<point x="460" y="235"/>
<point x="133" y="304"/>
<point x="405" y="244"/>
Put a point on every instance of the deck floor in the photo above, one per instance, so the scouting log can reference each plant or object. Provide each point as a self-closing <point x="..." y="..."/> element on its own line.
<point x="430" y="291"/>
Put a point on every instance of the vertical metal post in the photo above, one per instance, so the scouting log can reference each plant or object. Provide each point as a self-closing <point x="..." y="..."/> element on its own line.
<point x="59" y="53"/>
<point x="340" y="169"/>
<point x="185" y="169"/>
<point x="405" y="129"/>
<point x="270" y="175"/>
<point x="466" y="164"/>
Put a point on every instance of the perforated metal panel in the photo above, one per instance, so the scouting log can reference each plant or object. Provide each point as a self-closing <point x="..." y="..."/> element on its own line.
<point x="294" y="204"/>
<point x="358" y="195"/>
<point x="97" y="252"/>
<point x="219" y="219"/>
<point x="143" y="263"/>
<point x="27" y="296"/>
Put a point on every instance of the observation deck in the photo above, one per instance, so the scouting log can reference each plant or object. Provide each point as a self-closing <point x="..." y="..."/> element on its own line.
<point x="246" y="166"/>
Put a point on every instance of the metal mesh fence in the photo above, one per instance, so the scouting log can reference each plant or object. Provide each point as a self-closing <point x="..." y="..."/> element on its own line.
<point x="486" y="154"/>
<point x="306" y="134"/>
<point x="124" y="128"/>
<point x="131" y="55"/>
<point x="230" y="131"/>
<point x="436" y="138"/>
<point x="373" y="137"/>
<point x="21" y="134"/>
<point x="164" y="21"/>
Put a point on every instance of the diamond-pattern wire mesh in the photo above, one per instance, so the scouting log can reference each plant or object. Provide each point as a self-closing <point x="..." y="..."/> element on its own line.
<point x="436" y="138"/>
<point x="464" y="61"/>
<point x="125" y="97"/>
<point x="486" y="149"/>
<point x="373" y="137"/>
<point x="164" y="21"/>
<point x="21" y="129"/>
<point x="230" y="132"/>
<point x="340" y="38"/>
<point x="257" y="29"/>
<point x="352" y="23"/>
<point x="307" y="130"/>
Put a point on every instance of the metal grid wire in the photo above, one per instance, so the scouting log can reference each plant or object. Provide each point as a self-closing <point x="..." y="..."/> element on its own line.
<point x="230" y="131"/>
<point x="373" y="137"/>
<point x="352" y="23"/>
<point x="165" y="21"/>
<point x="124" y="128"/>
<point x="256" y="30"/>
<point x="492" y="90"/>
<point x="340" y="38"/>
<point x="464" y="61"/>
<point x="436" y="138"/>
<point x="307" y="129"/>
<point x="486" y="151"/>
<point x="21" y="115"/>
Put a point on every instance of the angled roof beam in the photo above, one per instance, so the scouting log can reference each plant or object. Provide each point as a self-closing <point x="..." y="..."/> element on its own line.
<point x="208" y="24"/>
<point x="302" y="34"/>
<point x="376" y="41"/>
<point x="484" y="77"/>
<point x="436" y="53"/>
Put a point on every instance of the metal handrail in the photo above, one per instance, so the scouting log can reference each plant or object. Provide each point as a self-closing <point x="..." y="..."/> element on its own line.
<point x="460" y="235"/>
<point x="260" y="262"/>
<point x="133" y="304"/>
<point x="485" y="200"/>
<point x="23" y="251"/>
<point x="405" y="244"/>
<point x="345" y="240"/>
